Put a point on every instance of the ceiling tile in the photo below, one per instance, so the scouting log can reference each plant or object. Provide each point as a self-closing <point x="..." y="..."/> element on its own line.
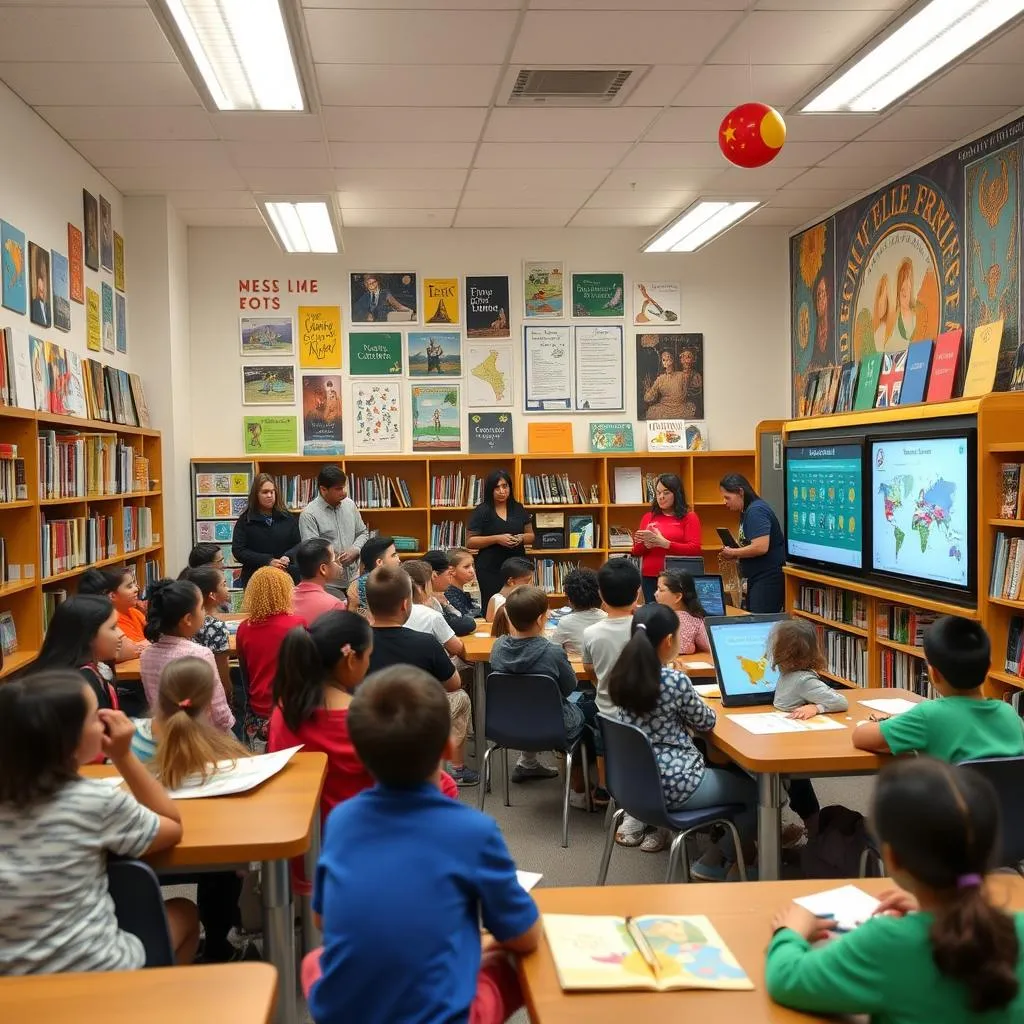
<point x="73" y="3"/>
<point x="404" y="124"/>
<point x="622" y="218"/>
<point x="250" y="126"/>
<point x="565" y="124"/>
<point x="418" y="199"/>
<point x="880" y="154"/>
<point x="812" y="198"/>
<point x="412" y="5"/>
<point x="687" y="124"/>
<point x="212" y="200"/>
<point x="679" y="179"/>
<point x="153" y="154"/>
<point x="410" y="37"/>
<point x="1005" y="49"/>
<point x="401" y="154"/>
<point x="934" y="124"/>
<point x="524" y="199"/>
<point x="676" y="154"/>
<point x="827" y="127"/>
<point x="377" y="85"/>
<point x="726" y="85"/>
<point x="620" y="37"/>
<point x="164" y="179"/>
<point x="556" y="155"/>
<point x="371" y="179"/>
<point x="639" y="199"/>
<point x="397" y="218"/>
<point x="102" y="85"/>
<point x="856" y="179"/>
<point x="755" y="180"/>
<point x="648" y="5"/>
<point x="227" y="218"/>
<point x="129" y="123"/>
<point x="803" y="154"/>
<point x="288" y="181"/>
<point x="294" y="154"/>
<point x="660" y="85"/>
<point x="779" y="216"/>
<point x="103" y="34"/>
<point x="489" y="179"/>
<point x="830" y="5"/>
<point x="513" y="218"/>
<point x="971" y="84"/>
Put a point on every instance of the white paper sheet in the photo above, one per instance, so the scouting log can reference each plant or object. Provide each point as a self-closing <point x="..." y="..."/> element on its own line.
<point x="707" y="690"/>
<point x="482" y="634"/>
<point x="699" y="664"/>
<point x="776" y="722"/>
<point x="849" y="905"/>
<point x="889" y="705"/>
<point x="528" y="879"/>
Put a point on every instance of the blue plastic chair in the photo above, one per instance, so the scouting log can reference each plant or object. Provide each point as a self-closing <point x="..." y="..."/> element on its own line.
<point x="1007" y="777"/>
<point x="139" y="907"/>
<point x="525" y="713"/>
<point x="634" y="782"/>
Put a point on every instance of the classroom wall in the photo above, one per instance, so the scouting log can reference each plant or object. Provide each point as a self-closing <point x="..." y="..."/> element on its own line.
<point x="734" y="292"/>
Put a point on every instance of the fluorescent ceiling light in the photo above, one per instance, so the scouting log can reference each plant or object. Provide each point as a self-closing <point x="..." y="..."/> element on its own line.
<point x="304" y="225"/>
<point x="237" y="52"/>
<point x="934" y="36"/>
<point x="706" y="219"/>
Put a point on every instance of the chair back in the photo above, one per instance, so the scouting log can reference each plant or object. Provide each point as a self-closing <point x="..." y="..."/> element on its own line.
<point x="524" y="712"/>
<point x="634" y="780"/>
<point x="139" y="906"/>
<point x="1007" y="776"/>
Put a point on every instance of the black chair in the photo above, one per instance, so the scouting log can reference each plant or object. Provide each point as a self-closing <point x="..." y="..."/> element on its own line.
<point x="1007" y="777"/>
<point x="634" y="782"/>
<point x="139" y="906"/>
<point x="525" y="713"/>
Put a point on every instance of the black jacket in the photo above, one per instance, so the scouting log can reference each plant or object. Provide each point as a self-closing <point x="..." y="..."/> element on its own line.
<point x="254" y="543"/>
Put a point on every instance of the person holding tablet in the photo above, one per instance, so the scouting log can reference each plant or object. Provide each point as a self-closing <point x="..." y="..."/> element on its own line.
<point x="670" y="528"/>
<point x="499" y="529"/>
<point x="762" y="545"/>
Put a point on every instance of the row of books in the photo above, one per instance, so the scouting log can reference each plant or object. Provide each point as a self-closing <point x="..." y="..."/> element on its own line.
<point x="75" y="465"/>
<point x="901" y="624"/>
<point x="550" y="531"/>
<point x="379" y="491"/>
<point x="550" y="573"/>
<point x="832" y="603"/>
<point x="1014" y="663"/>
<point x="452" y="490"/>
<point x="51" y="599"/>
<point x="632" y="486"/>
<point x="1007" y="567"/>
<point x="846" y="655"/>
<point x="904" y="671"/>
<point x="151" y="573"/>
<point x="557" y="489"/>
<point x="67" y="544"/>
<point x="296" y="491"/>
<point x="13" y="483"/>
<point x="447" y="534"/>
<point x="1011" y="501"/>
<point x="136" y="528"/>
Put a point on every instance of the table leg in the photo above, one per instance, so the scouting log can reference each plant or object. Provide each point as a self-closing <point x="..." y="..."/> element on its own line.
<point x="311" y="937"/>
<point x="769" y="825"/>
<point x="279" y="937"/>
<point x="479" y="744"/>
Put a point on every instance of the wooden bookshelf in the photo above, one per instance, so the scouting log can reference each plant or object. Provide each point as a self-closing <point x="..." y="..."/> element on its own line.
<point x="21" y="522"/>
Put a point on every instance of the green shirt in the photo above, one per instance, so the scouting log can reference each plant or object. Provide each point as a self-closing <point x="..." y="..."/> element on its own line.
<point x="956" y="729"/>
<point x="884" y="969"/>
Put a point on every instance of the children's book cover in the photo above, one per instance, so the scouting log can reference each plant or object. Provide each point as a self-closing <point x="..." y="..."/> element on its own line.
<point x="268" y="384"/>
<point x="139" y="397"/>
<point x="434" y="354"/>
<point x="204" y="484"/>
<point x="436" y="418"/>
<point x="239" y="483"/>
<point x="611" y="437"/>
<point x="40" y="308"/>
<point x="319" y="337"/>
<point x="56" y="379"/>
<point x="376" y="417"/>
<point x="13" y="281"/>
<point x="270" y="435"/>
<point x="61" y="291"/>
<point x="869" y="370"/>
<point x="542" y="289"/>
<point x="266" y="335"/>
<point x="40" y="391"/>
<point x="915" y="379"/>
<point x="487" y="307"/>
<point x="945" y="365"/>
<point x="321" y="414"/>
<point x="696" y="434"/>
<point x="598" y="295"/>
<point x="76" y="401"/>
<point x="76" y="266"/>
<point x="890" y="379"/>
<point x="666" y="435"/>
<point x="374" y="353"/>
<point x="107" y="313"/>
<point x="441" y="301"/>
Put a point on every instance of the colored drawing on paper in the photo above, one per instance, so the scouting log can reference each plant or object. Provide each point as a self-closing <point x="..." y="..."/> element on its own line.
<point x="656" y="303"/>
<point x="266" y="335"/>
<point x="436" y="418"/>
<point x="543" y="281"/>
<point x="13" y="281"/>
<point x="435" y="354"/>
<point x="268" y="385"/>
<point x="376" y="415"/>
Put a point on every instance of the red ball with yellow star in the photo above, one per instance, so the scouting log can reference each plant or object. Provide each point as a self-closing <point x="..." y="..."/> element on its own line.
<point x="752" y="135"/>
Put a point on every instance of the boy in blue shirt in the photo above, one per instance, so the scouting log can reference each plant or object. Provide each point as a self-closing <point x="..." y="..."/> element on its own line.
<point x="405" y="876"/>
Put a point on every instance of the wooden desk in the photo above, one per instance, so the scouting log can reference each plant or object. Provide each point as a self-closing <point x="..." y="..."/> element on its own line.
<point x="741" y="913"/>
<point x="272" y="823"/>
<point x="226" y="993"/>
<point x="803" y="755"/>
<point x="128" y="670"/>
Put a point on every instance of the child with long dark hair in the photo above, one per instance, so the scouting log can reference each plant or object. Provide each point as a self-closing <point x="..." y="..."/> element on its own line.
<point x="660" y="700"/>
<point x="938" y="948"/>
<point x="120" y="586"/>
<point x="213" y="633"/>
<point x="676" y="590"/>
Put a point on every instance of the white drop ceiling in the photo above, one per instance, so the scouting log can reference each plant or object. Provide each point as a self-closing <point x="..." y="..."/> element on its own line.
<point x="408" y="131"/>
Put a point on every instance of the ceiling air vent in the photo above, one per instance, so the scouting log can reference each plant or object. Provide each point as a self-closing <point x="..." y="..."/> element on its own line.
<point x="569" y="86"/>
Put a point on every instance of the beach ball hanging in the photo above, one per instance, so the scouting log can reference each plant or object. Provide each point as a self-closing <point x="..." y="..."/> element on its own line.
<point x="752" y="135"/>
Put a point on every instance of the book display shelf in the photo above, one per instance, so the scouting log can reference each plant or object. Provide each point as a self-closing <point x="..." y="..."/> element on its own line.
<point x="425" y="501"/>
<point x="87" y="494"/>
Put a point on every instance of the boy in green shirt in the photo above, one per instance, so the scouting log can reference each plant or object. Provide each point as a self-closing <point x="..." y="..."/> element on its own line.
<point x="965" y="726"/>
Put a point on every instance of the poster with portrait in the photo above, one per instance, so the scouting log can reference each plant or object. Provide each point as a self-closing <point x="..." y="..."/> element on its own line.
<point x="40" y="309"/>
<point x="812" y="283"/>
<point x="376" y="417"/>
<point x="379" y="298"/>
<point x="264" y="384"/>
<point x="487" y="307"/>
<point x="91" y="220"/>
<point x="434" y="353"/>
<point x="441" y="302"/>
<point x="106" y="235"/>
<point x="321" y="414"/>
<point x="670" y="376"/>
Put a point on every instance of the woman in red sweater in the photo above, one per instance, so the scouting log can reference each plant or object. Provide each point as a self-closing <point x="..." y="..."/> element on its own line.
<point x="670" y="528"/>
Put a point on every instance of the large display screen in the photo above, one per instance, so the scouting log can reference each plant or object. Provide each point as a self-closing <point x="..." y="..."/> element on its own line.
<point x="921" y="509"/>
<point x="824" y="504"/>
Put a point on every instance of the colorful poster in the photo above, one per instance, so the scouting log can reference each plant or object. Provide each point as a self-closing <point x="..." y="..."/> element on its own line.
<point x="40" y="308"/>
<point x="487" y="307"/>
<point x="268" y="435"/>
<point x="542" y="289"/>
<point x="376" y="417"/>
<point x="121" y="318"/>
<point x="670" y="376"/>
<point x="320" y="337"/>
<point x="600" y="368"/>
<point x="656" y="303"/>
<point x="61" y="291"/>
<point x="490" y="432"/>
<point x="266" y="336"/>
<point x="107" y="312"/>
<point x="118" y="262"/>
<point x="91" y="220"/>
<point x="434" y="354"/>
<point x="321" y="414"/>
<point x="93" y="334"/>
<point x="598" y="295"/>
<point x="489" y="383"/>
<point x="812" y="284"/>
<point x="14" y="283"/>
<point x="374" y="353"/>
<point x="611" y="437"/>
<point x="106" y="235"/>
<point x="441" y="302"/>
<point x="383" y="298"/>
<point x="76" y="267"/>
<point x="268" y="385"/>
<point x="547" y="369"/>
<point x="436" y="418"/>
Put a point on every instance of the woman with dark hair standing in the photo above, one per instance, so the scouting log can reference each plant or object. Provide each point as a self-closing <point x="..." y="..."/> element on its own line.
<point x="670" y="528"/>
<point x="499" y="528"/>
<point x="762" y="549"/>
<point x="266" y="533"/>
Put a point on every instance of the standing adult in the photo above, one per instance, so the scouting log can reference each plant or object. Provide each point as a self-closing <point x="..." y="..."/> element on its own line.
<point x="333" y="515"/>
<point x="762" y="549"/>
<point x="266" y="533"/>
<point x="499" y="528"/>
<point x="670" y="528"/>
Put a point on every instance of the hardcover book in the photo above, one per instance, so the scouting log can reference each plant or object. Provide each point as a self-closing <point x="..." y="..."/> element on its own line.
<point x="915" y="379"/>
<point x="1010" y="488"/>
<point x="945" y="366"/>
<point x="890" y="379"/>
<point x="981" y="370"/>
<point x="866" y="387"/>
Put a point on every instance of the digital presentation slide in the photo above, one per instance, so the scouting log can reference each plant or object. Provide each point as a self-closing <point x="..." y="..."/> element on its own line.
<point x="709" y="593"/>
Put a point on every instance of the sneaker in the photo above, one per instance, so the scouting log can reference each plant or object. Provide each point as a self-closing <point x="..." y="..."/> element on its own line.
<point x="630" y="838"/>
<point x="734" y="873"/>
<point x="464" y="776"/>
<point x="579" y="801"/>
<point x="712" y="866"/>
<point x="527" y="773"/>
<point x="655" y="841"/>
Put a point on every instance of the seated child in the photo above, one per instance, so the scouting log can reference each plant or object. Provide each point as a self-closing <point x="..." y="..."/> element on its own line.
<point x="120" y="586"/>
<point x="440" y="582"/>
<point x="406" y="876"/>
<point x="206" y="553"/>
<point x="676" y="590"/>
<point x="376" y="551"/>
<point x="963" y="727"/>
<point x="659" y="699"/>
<point x="55" y="912"/>
<point x="527" y="651"/>
<point x="584" y="597"/>
<point x="516" y="572"/>
<point x="213" y="633"/>
<point x="940" y="948"/>
<point x="463" y="572"/>
<point x="424" y="616"/>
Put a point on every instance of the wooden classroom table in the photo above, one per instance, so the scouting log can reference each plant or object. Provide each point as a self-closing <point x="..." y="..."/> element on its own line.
<point x="273" y="823"/>
<point x="801" y="755"/>
<point x="741" y="913"/>
<point x="128" y="670"/>
<point x="225" y="993"/>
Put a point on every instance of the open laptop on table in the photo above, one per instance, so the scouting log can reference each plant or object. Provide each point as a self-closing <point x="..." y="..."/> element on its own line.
<point x="739" y="647"/>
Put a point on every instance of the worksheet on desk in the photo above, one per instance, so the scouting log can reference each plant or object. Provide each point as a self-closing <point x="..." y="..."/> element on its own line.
<point x="772" y="722"/>
<point x="889" y="705"/>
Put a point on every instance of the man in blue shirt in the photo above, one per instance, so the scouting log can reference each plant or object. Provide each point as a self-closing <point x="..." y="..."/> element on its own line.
<point x="405" y="876"/>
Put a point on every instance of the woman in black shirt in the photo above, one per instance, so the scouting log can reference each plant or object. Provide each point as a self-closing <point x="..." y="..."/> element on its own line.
<point x="499" y="528"/>
<point x="266" y="533"/>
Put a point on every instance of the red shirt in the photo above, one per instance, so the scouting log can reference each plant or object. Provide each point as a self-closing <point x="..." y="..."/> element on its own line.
<point x="310" y="601"/>
<point x="683" y="536"/>
<point x="258" y="644"/>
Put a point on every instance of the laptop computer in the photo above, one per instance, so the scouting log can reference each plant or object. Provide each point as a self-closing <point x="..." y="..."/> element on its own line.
<point x="711" y="593"/>
<point x="685" y="563"/>
<point x="739" y="646"/>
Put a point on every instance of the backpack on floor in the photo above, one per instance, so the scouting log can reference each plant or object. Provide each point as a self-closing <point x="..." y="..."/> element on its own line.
<point x="835" y="848"/>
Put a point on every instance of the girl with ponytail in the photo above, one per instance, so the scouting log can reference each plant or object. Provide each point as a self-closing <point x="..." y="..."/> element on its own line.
<point x="661" y="701"/>
<point x="938" y="948"/>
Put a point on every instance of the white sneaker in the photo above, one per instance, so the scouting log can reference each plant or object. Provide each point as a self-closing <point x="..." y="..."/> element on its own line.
<point x="655" y="841"/>
<point x="578" y="800"/>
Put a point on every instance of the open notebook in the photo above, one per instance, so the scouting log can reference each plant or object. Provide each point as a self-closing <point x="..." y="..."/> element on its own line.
<point x="656" y="952"/>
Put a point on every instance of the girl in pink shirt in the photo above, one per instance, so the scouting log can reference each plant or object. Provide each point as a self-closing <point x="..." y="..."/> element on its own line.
<point x="677" y="591"/>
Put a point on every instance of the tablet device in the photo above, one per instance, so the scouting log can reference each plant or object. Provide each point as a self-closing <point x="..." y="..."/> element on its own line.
<point x="726" y="537"/>
<point x="711" y="593"/>
<point x="739" y="647"/>
<point x="692" y="564"/>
